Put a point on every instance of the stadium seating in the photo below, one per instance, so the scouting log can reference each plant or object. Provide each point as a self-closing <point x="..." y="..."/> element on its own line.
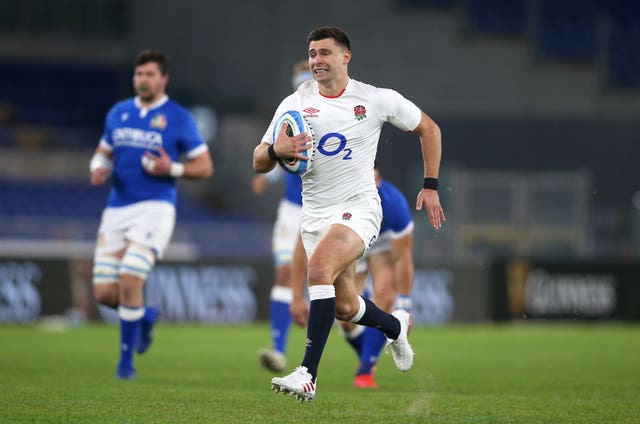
<point x="622" y="40"/>
<point x="57" y="210"/>
<point x="68" y="95"/>
<point x="495" y="17"/>
<point x="602" y="33"/>
<point x="74" y="199"/>
<point x="565" y="30"/>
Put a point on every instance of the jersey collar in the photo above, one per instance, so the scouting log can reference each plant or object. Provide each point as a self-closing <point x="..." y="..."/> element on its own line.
<point x="144" y="110"/>
<point x="337" y="95"/>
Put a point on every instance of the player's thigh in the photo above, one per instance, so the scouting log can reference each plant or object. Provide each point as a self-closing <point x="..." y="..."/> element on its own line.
<point x="283" y="275"/>
<point x="337" y="250"/>
<point x="107" y="293"/>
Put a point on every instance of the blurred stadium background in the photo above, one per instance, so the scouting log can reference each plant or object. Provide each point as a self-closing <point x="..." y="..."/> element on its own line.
<point x="538" y="101"/>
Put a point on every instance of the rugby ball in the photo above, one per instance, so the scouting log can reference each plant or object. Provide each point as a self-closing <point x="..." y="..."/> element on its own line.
<point x="297" y="125"/>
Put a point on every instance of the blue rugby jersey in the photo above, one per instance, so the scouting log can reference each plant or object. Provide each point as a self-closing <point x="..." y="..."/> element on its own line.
<point x="396" y="215"/>
<point x="130" y="131"/>
<point x="293" y="188"/>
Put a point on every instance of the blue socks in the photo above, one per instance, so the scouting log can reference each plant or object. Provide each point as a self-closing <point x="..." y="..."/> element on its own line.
<point x="372" y="344"/>
<point x="130" y="322"/>
<point x="280" y="316"/>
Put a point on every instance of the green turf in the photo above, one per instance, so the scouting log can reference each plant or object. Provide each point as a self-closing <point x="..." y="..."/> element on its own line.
<point x="209" y="374"/>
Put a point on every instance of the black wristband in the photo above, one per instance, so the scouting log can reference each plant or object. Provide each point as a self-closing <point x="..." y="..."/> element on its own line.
<point x="272" y="152"/>
<point x="430" y="183"/>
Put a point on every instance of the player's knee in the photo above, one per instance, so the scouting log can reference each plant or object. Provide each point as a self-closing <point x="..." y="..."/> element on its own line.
<point x="138" y="260"/>
<point x="283" y="276"/>
<point x="347" y="326"/>
<point x="129" y="288"/>
<point x="318" y="273"/>
<point x="345" y="310"/>
<point x="106" y="294"/>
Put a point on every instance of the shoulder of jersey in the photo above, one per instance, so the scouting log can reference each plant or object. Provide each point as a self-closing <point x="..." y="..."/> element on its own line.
<point x="307" y="85"/>
<point x="124" y="104"/>
<point x="121" y="106"/>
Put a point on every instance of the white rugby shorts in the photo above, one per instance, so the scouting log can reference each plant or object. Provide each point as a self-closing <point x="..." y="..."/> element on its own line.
<point x="285" y="232"/>
<point x="149" y="223"/>
<point x="362" y="214"/>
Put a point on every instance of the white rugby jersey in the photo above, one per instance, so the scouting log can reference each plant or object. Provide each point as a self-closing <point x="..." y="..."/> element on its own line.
<point x="347" y="128"/>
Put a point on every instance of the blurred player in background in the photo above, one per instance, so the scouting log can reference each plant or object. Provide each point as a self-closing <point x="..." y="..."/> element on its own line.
<point x="341" y="211"/>
<point x="140" y="150"/>
<point x="285" y="235"/>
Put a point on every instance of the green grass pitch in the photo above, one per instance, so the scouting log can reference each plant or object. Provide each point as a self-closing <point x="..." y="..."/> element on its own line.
<point x="534" y="373"/>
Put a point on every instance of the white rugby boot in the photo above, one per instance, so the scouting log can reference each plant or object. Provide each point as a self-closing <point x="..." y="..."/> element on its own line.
<point x="272" y="360"/>
<point x="400" y="348"/>
<point x="299" y="384"/>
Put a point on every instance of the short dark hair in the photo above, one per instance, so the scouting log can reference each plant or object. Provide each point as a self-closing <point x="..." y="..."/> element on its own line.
<point x="336" y="33"/>
<point x="149" y="55"/>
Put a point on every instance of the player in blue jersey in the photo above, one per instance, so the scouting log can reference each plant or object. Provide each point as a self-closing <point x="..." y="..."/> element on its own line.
<point x="390" y="263"/>
<point x="285" y="235"/>
<point x="140" y="150"/>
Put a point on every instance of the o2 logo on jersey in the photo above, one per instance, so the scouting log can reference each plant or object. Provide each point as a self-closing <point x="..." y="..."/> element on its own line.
<point x="333" y="148"/>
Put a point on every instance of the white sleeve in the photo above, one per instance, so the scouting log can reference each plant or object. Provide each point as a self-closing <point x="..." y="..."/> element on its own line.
<point x="397" y="110"/>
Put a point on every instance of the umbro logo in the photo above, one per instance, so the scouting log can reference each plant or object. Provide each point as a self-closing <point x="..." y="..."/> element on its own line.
<point x="311" y="112"/>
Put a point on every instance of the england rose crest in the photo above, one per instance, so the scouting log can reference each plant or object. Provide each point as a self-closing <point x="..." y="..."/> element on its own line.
<point x="360" y="112"/>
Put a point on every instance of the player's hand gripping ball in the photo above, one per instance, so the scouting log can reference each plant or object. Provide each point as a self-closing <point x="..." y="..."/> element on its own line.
<point x="297" y="125"/>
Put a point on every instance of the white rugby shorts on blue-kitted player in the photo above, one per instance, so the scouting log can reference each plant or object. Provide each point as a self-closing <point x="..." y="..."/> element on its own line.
<point x="149" y="223"/>
<point x="285" y="232"/>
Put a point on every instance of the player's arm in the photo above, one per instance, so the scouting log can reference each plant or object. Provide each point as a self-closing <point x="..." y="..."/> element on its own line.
<point x="265" y="155"/>
<point x="402" y="253"/>
<point x="101" y="165"/>
<point x="262" y="161"/>
<point x="195" y="168"/>
<point x="260" y="182"/>
<point x="298" y="308"/>
<point x="431" y="142"/>
<point x="199" y="167"/>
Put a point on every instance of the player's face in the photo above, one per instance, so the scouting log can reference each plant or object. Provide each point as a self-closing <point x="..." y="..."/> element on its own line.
<point x="328" y="60"/>
<point x="149" y="82"/>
